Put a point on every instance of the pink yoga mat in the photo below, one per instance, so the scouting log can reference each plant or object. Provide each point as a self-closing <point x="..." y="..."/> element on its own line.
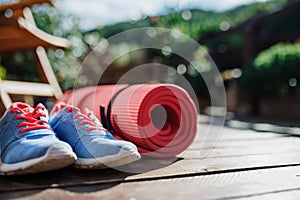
<point x="161" y="119"/>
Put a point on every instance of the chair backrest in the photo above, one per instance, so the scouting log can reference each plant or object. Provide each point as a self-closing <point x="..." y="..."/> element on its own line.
<point x="18" y="32"/>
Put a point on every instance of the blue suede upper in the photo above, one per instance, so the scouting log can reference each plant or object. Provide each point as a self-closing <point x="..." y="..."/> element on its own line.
<point x="85" y="144"/>
<point x="17" y="147"/>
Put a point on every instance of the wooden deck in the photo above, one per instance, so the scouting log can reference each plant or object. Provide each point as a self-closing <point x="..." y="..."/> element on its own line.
<point x="245" y="164"/>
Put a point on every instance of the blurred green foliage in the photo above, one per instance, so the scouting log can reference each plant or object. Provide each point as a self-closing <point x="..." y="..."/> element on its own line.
<point x="200" y="24"/>
<point x="275" y="71"/>
<point x="2" y="72"/>
<point x="66" y="63"/>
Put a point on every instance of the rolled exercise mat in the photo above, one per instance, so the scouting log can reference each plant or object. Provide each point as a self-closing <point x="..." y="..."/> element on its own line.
<point x="160" y="119"/>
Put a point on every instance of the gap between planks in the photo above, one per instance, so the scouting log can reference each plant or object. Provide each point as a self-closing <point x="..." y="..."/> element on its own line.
<point x="233" y="185"/>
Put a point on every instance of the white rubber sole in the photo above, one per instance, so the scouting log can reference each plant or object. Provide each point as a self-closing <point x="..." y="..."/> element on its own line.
<point x="126" y="155"/>
<point x="56" y="157"/>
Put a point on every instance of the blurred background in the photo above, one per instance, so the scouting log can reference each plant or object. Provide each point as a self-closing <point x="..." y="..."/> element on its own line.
<point x="254" y="44"/>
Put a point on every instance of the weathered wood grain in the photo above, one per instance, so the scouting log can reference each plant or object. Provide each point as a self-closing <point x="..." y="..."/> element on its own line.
<point x="254" y="183"/>
<point x="290" y="194"/>
<point x="150" y="169"/>
<point x="230" y="154"/>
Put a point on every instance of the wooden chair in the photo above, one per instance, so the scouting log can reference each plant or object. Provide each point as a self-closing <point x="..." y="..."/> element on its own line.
<point x="18" y="32"/>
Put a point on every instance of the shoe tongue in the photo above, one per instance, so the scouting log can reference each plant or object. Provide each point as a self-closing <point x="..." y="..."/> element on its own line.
<point x="28" y="110"/>
<point x="92" y="116"/>
<point x="42" y="109"/>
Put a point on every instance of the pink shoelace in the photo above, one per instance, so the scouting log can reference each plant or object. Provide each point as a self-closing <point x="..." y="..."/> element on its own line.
<point x="86" y="119"/>
<point x="33" y="120"/>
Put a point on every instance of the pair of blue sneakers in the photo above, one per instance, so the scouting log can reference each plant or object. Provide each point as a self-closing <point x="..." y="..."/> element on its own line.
<point x="31" y="143"/>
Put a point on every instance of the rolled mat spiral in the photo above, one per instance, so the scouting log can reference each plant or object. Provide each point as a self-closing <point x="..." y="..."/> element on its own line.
<point x="160" y="119"/>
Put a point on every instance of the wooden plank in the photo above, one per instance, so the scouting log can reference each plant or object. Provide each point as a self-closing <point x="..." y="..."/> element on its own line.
<point x="213" y="165"/>
<point x="34" y="37"/>
<point x="47" y="73"/>
<point x="291" y="194"/>
<point x="37" y="33"/>
<point x="206" y="139"/>
<point x="26" y="88"/>
<point x="244" y="148"/>
<point x="227" y="142"/>
<point x="8" y="33"/>
<point x="71" y="176"/>
<point x="231" y="154"/>
<point x="29" y="16"/>
<point x="218" y="186"/>
<point x="227" y="133"/>
<point x="23" y="88"/>
<point x="22" y="23"/>
<point x="23" y="4"/>
<point x="147" y="168"/>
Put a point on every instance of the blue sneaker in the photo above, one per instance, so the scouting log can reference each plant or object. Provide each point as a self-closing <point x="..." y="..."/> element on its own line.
<point x="94" y="146"/>
<point x="27" y="144"/>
